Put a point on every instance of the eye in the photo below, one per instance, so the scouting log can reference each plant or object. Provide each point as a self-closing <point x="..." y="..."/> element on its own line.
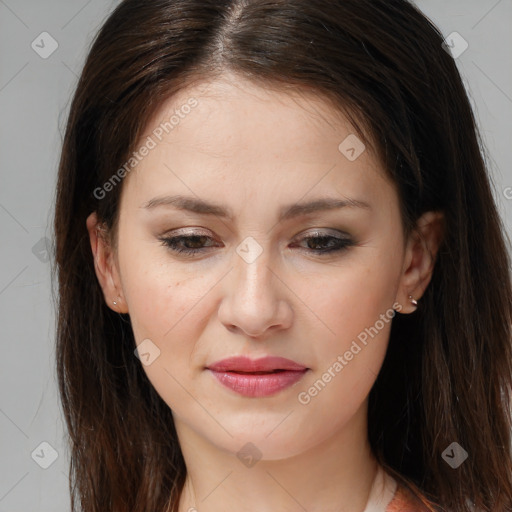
<point x="175" y="243"/>
<point x="330" y="243"/>
<point x="194" y="244"/>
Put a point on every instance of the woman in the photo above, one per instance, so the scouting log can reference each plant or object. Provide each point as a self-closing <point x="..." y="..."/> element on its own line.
<point x="283" y="280"/>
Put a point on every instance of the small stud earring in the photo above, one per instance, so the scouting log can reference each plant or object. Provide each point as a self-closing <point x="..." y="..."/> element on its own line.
<point x="115" y="303"/>
<point x="414" y="302"/>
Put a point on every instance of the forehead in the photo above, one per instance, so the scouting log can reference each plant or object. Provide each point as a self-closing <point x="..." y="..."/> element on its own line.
<point x="242" y="138"/>
<point x="247" y="111"/>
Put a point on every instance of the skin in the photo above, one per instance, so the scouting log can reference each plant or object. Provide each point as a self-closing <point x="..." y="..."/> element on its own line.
<point x="254" y="150"/>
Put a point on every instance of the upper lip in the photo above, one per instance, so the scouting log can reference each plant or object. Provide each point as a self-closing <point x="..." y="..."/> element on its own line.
<point x="245" y="364"/>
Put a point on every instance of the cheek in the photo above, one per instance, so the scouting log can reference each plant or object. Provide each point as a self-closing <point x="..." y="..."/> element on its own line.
<point x="159" y="294"/>
<point x="352" y="299"/>
<point x="168" y="310"/>
<point x="162" y="305"/>
<point x="355" y="309"/>
<point x="356" y="322"/>
<point x="348" y="365"/>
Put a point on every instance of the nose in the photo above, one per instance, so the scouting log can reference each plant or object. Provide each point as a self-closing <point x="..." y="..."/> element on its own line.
<point x="256" y="300"/>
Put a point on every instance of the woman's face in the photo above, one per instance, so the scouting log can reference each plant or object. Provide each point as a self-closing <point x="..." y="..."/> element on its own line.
<point x="262" y="281"/>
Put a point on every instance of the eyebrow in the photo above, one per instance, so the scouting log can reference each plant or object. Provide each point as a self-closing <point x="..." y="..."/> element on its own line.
<point x="195" y="205"/>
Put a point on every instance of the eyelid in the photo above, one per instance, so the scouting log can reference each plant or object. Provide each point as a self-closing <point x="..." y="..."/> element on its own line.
<point x="323" y="232"/>
<point x="197" y="231"/>
<point x="188" y="231"/>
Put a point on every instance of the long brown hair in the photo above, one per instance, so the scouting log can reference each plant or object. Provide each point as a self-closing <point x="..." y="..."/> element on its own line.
<point x="447" y="375"/>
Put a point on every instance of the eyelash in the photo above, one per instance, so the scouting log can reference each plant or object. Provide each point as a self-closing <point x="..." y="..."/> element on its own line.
<point x="172" y="244"/>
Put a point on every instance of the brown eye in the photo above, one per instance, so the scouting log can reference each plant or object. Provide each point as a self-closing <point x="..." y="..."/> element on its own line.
<point x="326" y="244"/>
<point x="185" y="244"/>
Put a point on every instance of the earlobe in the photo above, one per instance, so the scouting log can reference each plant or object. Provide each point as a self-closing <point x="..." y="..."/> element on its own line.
<point x="104" y="265"/>
<point x="420" y="257"/>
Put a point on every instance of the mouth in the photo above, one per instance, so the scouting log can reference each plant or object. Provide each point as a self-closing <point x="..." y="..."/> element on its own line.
<point x="257" y="373"/>
<point x="257" y="378"/>
<point x="268" y="364"/>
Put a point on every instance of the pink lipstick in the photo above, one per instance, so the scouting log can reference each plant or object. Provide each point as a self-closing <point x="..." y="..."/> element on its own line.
<point x="257" y="377"/>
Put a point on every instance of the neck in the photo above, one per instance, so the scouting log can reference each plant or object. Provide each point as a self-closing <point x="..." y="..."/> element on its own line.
<point x="335" y="473"/>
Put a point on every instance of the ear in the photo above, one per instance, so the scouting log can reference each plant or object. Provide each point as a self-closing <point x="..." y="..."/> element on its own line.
<point x="105" y="265"/>
<point x="420" y="257"/>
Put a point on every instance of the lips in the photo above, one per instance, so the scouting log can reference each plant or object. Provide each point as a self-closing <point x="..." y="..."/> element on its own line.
<point x="264" y="365"/>
<point x="257" y="378"/>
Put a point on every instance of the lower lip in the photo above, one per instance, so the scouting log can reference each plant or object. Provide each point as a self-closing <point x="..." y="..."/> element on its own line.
<point x="257" y="385"/>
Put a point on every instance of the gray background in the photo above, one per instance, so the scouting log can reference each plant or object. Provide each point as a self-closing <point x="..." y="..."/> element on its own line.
<point x="34" y="97"/>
